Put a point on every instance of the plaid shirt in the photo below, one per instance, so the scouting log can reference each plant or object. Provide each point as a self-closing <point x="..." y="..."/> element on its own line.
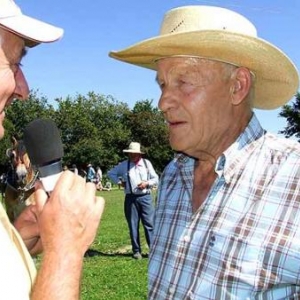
<point x="244" y="240"/>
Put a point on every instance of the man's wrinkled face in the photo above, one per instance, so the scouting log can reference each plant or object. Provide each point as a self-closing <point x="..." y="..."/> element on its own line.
<point x="12" y="81"/>
<point x="195" y="100"/>
<point x="134" y="157"/>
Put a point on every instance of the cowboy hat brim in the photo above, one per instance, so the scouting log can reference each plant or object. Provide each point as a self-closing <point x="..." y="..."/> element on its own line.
<point x="276" y="77"/>
<point x="133" y="151"/>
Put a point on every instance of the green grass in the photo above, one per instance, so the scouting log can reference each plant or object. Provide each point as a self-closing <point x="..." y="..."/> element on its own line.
<point x="113" y="274"/>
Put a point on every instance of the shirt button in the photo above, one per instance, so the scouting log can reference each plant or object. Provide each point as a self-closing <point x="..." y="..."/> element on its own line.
<point x="171" y="290"/>
<point x="187" y="238"/>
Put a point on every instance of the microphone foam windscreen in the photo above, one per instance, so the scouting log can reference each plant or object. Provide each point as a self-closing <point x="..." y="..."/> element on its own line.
<point x="43" y="142"/>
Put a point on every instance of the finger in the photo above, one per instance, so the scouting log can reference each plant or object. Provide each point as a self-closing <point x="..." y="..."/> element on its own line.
<point x="100" y="204"/>
<point x="37" y="248"/>
<point x="29" y="231"/>
<point x="40" y="197"/>
<point x="65" y="182"/>
<point x="90" y="191"/>
<point x="78" y="187"/>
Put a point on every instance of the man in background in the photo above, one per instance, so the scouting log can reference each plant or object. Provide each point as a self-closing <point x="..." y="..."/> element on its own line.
<point x="63" y="225"/>
<point x="91" y="174"/>
<point x="138" y="177"/>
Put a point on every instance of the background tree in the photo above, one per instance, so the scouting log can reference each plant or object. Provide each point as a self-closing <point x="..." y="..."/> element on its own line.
<point x="18" y="115"/>
<point x="94" y="128"/>
<point x="292" y="115"/>
<point x="148" y="128"/>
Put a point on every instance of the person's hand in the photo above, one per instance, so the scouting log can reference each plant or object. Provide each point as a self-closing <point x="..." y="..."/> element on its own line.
<point x="69" y="218"/>
<point x="143" y="185"/>
<point x="28" y="228"/>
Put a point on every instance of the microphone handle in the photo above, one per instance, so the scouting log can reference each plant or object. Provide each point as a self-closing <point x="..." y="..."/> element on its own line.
<point x="50" y="181"/>
<point x="49" y="174"/>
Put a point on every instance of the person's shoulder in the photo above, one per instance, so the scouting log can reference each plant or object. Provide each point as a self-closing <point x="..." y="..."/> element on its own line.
<point x="121" y="164"/>
<point x="281" y="144"/>
<point x="146" y="160"/>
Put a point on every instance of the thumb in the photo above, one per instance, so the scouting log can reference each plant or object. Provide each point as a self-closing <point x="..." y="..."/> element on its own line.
<point x="40" y="196"/>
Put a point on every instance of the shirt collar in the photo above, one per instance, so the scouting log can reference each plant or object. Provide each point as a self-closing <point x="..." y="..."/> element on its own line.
<point x="229" y="160"/>
<point x="244" y="143"/>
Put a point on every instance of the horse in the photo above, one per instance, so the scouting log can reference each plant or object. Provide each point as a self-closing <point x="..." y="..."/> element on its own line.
<point x="20" y="180"/>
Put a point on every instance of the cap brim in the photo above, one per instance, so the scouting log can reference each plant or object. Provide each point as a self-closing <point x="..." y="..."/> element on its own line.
<point x="276" y="77"/>
<point x="32" y="30"/>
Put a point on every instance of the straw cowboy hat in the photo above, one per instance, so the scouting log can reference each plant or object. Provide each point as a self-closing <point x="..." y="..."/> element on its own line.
<point x="133" y="148"/>
<point x="223" y="35"/>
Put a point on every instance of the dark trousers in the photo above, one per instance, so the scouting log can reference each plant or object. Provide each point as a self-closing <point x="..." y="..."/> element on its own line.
<point x="139" y="208"/>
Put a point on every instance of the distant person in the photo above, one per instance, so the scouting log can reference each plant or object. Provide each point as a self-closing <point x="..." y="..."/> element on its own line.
<point x="107" y="186"/>
<point x="228" y="210"/>
<point x="62" y="224"/>
<point x="139" y="177"/>
<point x="91" y="174"/>
<point x="120" y="183"/>
<point x="98" y="178"/>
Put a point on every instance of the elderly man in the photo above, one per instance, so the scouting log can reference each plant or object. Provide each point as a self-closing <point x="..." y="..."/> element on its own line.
<point x="63" y="225"/>
<point x="138" y="177"/>
<point x="228" y="210"/>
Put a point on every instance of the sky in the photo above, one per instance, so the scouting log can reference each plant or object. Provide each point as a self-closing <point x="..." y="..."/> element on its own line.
<point x="79" y="62"/>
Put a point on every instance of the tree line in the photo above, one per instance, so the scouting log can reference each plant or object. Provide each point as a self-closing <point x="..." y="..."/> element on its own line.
<point x="94" y="128"/>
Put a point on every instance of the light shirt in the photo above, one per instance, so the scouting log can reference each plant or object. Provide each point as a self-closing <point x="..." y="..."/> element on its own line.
<point x="244" y="240"/>
<point x="138" y="172"/>
<point x="91" y="174"/>
<point x="17" y="270"/>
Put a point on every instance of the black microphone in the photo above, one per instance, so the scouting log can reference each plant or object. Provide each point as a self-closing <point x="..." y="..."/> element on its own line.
<point x="45" y="150"/>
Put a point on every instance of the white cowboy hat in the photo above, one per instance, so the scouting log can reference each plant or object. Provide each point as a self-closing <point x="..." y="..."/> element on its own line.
<point x="133" y="148"/>
<point x="33" y="31"/>
<point x="223" y="35"/>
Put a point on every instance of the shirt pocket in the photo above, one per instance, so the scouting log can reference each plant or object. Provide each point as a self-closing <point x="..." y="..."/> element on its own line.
<point x="235" y="259"/>
<point x="254" y="264"/>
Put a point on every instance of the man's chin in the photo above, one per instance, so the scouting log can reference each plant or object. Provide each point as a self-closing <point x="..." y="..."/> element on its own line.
<point x="175" y="144"/>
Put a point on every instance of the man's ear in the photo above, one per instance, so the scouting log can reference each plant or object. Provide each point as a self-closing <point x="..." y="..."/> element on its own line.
<point x="241" y="85"/>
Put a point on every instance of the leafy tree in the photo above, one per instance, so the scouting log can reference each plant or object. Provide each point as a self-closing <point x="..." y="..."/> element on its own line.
<point x="148" y="127"/>
<point x="92" y="129"/>
<point x="292" y="114"/>
<point x="18" y="115"/>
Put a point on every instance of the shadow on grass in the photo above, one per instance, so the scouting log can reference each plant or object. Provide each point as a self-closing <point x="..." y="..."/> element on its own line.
<point x="92" y="253"/>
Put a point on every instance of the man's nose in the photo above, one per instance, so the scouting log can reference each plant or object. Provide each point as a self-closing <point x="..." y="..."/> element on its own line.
<point x="21" y="90"/>
<point x="167" y="100"/>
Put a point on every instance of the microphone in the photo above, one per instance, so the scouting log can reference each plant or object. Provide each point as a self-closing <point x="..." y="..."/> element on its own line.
<point x="45" y="150"/>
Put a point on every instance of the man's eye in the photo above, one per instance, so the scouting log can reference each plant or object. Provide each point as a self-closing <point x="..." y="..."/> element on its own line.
<point x="161" y="85"/>
<point x="184" y="83"/>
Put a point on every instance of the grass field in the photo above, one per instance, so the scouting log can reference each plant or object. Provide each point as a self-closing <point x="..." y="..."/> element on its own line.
<point x="113" y="274"/>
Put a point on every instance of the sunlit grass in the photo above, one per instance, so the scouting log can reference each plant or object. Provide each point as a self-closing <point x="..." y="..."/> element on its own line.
<point x="113" y="274"/>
